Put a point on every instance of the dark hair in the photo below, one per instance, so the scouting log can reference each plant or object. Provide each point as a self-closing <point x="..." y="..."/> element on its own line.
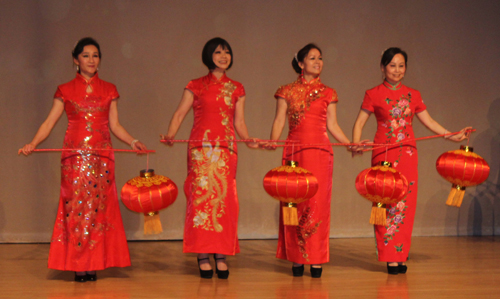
<point x="86" y="41"/>
<point x="389" y="54"/>
<point x="209" y="49"/>
<point x="299" y="57"/>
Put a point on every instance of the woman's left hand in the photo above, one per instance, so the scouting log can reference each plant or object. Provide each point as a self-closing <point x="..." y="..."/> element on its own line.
<point x="139" y="146"/>
<point x="463" y="134"/>
<point x="254" y="143"/>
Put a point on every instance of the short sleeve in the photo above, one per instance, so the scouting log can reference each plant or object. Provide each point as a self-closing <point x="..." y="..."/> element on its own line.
<point x="113" y="93"/>
<point x="420" y="106"/>
<point x="239" y="92"/>
<point x="281" y="92"/>
<point x="367" y="103"/>
<point x="59" y="93"/>
<point x="334" y="98"/>
<point x="193" y="87"/>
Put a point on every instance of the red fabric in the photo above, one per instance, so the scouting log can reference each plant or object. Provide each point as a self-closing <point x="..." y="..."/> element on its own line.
<point x="210" y="187"/>
<point x="308" y="243"/>
<point x="88" y="233"/>
<point x="394" y="108"/>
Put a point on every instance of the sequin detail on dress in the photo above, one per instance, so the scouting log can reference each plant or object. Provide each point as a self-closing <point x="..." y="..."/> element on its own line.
<point x="299" y="96"/>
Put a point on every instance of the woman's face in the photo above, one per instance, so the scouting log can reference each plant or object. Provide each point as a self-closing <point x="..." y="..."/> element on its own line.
<point x="88" y="61"/>
<point x="221" y="58"/>
<point x="313" y="63"/>
<point x="395" y="70"/>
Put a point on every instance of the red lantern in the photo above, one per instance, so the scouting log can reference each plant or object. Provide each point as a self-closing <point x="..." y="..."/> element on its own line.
<point x="147" y="194"/>
<point x="292" y="185"/>
<point x="462" y="168"/>
<point x="382" y="185"/>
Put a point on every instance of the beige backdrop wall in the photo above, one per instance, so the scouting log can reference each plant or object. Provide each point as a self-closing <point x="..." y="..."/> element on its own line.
<point x="151" y="49"/>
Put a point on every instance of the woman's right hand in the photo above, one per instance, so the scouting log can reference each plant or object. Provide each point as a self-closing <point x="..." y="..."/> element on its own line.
<point x="168" y="139"/>
<point x="26" y="149"/>
<point x="463" y="134"/>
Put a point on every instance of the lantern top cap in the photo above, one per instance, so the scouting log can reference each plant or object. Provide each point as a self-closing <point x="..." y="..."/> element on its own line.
<point x="385" y="163"/>
<point x="147" y="173"/>
<point x="467" y="148"/>
<point x="292" y="163"/>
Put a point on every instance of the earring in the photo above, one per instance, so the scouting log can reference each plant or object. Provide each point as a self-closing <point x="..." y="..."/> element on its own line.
<point x="302" y="73"/>
<point x="77" y="68"/>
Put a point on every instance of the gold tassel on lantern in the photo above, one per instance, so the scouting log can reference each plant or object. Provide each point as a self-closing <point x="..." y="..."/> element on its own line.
<point x="290" y="216"/>
<point x="378" y="215"/>
<point x="456" y="196"/>
<point x="152" y="223"/>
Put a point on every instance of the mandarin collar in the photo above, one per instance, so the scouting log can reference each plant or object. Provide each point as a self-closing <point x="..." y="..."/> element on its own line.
<point x="82" y="79"/>
<point x="392" y="87"/>
<point x="212" y="77"/>
<point x="303" y="81"/>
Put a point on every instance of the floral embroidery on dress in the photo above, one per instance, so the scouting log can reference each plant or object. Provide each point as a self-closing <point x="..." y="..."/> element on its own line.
<point x="395" y="218"/>
<point x="305" y="230"/>
<point x="401" y="115"/>
<point x="210" y="165"/>
<point x="226" y="94"/>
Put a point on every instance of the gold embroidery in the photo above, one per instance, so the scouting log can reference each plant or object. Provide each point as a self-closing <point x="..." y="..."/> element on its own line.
<point x="226" y="93"/>
<point x="306" y="229"/>
<point x="210" y="185"/>
<point x="299" y="98"/>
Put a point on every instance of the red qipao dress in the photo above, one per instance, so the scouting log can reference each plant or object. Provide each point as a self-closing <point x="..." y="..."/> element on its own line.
<point x="308" y="243"/>
<point x="394" y="108"/>
<point x="210" y="187"/>
<point x="88" y="233"/>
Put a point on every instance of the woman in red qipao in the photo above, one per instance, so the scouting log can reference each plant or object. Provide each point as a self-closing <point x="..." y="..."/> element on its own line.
<point x="210" y="187"/>
<point x="88" y="233"/>
<point x="394" y="105"/>
<point x="311" y="108"/>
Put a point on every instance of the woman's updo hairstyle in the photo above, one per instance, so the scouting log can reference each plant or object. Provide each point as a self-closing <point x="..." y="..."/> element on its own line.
<point x="86" y="41"/>
<point x="389" y="54"/>
<point x="209" y="49"/>
<point x="299" y="57"/>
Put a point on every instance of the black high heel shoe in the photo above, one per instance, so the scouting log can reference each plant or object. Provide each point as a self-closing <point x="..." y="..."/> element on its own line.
<point x="393" y="270"/>
<point x="221" y="274"/>
<point x="316" y="272"/>
<point x="91" y="277"/>
<point x="80" y="278"/>
<point x="402" y="269"/>
<point x="205" y="273"/>
<point x="298" y="271"/>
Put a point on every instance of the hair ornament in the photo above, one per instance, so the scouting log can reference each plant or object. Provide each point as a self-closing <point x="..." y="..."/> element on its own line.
<point x="296" y="59"/>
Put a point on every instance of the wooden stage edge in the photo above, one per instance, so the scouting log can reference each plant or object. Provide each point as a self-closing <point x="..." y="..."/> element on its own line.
<point x="440" y="267"/>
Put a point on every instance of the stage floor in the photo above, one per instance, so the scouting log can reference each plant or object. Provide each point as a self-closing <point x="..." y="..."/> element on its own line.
<point x="440" y="267"/>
